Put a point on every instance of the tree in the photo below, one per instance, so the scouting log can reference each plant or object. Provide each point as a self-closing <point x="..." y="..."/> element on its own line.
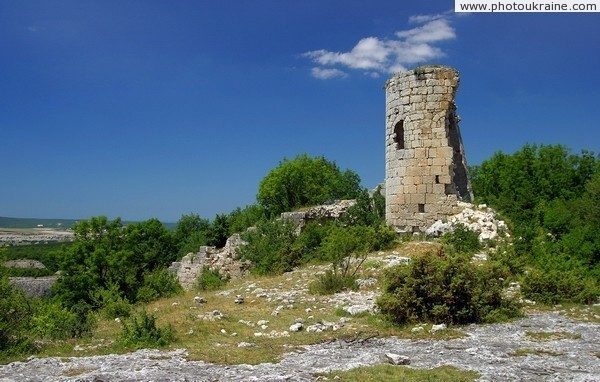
<point x="191" y="233"/>
<point x="305" y="181"/>
<point x="105" y="253"/>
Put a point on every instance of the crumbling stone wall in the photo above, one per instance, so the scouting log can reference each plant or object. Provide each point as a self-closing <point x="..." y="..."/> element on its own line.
<point x="426" y="170"/>
<point x="225" y="260"/>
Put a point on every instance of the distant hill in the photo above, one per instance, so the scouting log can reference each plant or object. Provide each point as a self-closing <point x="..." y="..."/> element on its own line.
<point x="7" y="222"/>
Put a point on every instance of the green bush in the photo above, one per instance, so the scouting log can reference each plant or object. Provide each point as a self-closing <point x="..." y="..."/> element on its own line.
<point x="141" y="332"/>
<point x="111" y="303"/>
<point x="553" y="287"/>
<point x="331" y="282"/>
<point x="450" y="290"/>
<point x="269" y="247"/>
<point x="210" y="279"/>
<point x="54" y="321"/>
<point x="159" y="283"/>
<point x="462" y="240"/>
<point x="16" y="311"/>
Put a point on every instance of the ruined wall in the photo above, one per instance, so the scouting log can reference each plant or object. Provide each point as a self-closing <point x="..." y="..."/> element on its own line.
<point x="226" y="260"/>
<point x="426" y="170"/>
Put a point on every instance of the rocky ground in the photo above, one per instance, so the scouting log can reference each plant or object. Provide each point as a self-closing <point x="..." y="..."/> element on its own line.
<point x="501" y="352"/>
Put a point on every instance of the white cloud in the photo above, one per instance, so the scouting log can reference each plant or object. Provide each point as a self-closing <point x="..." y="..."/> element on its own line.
<point x="432" y="31"/>
<point x="325" y="74"/>
<point x="376" y="55"/>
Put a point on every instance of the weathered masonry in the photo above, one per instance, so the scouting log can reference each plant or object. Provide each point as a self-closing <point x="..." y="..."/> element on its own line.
<point x="426" y="169"/>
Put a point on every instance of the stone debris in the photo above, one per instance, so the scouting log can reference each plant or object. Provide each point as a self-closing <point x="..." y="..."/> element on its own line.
<point x="239" y="299"/>
<point x="323" y="326"/>
<point x="215" y="315"/>
<point x="479" y="219"/>
<point x="273" y="334"/>
<point x="366" y="283"/>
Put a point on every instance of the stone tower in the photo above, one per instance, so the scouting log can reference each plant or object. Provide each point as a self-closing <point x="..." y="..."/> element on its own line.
<point x="426" y="168"/>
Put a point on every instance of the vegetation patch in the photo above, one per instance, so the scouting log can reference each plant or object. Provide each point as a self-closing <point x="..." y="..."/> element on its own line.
<point x="401" y="373"/>
<point x="141" y="331"/>
<point x="530" y="351"/>
<point x="552" y="336"/>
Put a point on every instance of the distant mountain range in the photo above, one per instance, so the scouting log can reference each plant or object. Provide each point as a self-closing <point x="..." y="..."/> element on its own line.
<point x="7" y="222"/>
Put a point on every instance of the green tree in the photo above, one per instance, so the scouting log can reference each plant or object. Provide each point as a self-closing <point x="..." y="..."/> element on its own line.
<point x="241" y="219"/>
<point x="106" y="253"/>
<point x="191" y="233"/>
<point x="219" y="231"/>
<point x="304" y="181"/>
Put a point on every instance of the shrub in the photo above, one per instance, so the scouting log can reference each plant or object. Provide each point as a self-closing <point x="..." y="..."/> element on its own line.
<point x="269" y="247"/>
<point x="462" y="239"/>
<point x="16" y="311"/>
<point x="141" y="331"/>
<point x="552" y="287"/>
<point x="52" y="320"/>
<point x="331" y="282"/>
<point x="450" y="290"/>
<point x="210" y="279"/>
<point x="111" y="303"/>
<point x="159" y="283"/>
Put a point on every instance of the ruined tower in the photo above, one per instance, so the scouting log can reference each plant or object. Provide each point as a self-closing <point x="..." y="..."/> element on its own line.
<point x="426" y="168"/>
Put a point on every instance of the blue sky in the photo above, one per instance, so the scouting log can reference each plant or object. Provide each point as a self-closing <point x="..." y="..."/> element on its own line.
<point x="144" y="109"/>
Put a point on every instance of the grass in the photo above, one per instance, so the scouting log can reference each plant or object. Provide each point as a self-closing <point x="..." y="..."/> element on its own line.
<point x="552" y="336"/>
<point x="530" y="351"/>
<point x="402" y="373"/>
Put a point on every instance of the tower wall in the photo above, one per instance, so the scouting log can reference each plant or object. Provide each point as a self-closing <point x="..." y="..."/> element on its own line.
<point x="426" y="169"/>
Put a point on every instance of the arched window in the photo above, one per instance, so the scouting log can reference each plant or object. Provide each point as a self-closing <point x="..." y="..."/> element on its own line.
<point x="399" y="134"/>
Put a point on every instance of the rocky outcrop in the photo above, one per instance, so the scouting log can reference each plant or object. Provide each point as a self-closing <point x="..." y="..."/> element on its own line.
<point x="34" y="286"/>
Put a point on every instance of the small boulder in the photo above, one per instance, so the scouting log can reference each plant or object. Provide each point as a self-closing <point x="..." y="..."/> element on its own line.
<point x="296" y="327"/>
<point x="397" y="359"/>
